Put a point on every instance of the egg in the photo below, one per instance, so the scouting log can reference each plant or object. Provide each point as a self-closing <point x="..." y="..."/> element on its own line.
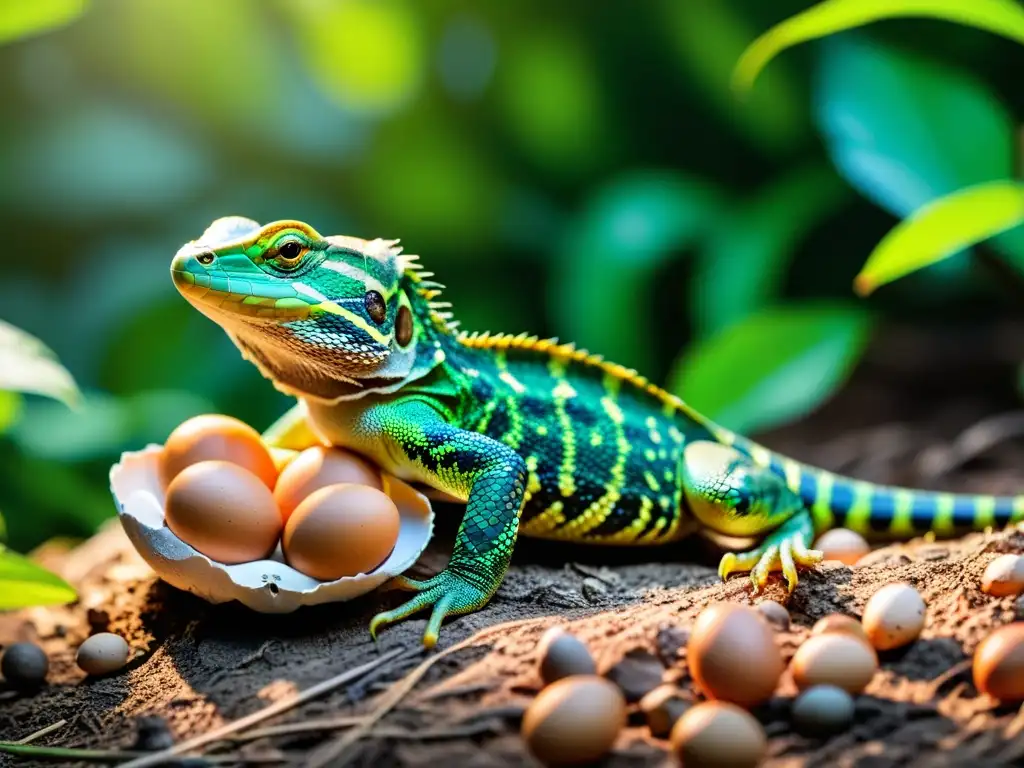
<point x="834" y="659"/>
<point x="316" y="468"/>
<point x="774" y="613"/>
<point x="662" y="707"/>
<point x="1004" y="576"/>
<point x="223" y="511"/>
<point x="24" y="666"/>
<point x="894" y="616"/>
<point x="843" y="545"/>
<point x="575" y="720"/>
<point x="102" y="653"/>
<point x="840" y="622"/>
<point x="716" y="734"/>
<point x="998" y="664"/>
<point x="341" y="530"/>
<point x="562" y="655"/>
<point x="823" y="710"/>
<point x="216" y="438"/>
<point x="732" y="655"/>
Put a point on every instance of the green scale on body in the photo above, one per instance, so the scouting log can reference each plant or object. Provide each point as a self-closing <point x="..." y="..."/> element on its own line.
<point x="538" y="439"/>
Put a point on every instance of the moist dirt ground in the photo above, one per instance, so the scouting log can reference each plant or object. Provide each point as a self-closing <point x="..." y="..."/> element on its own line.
<point x="937" y="412"/>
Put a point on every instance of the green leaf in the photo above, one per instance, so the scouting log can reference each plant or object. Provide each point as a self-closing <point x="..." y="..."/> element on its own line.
<point x="941" y="229"/>
<point x="1001" y="17"/>
<point x="708" y="36"/>
<point x="10" y="409"/>
<point x="601" y="287"/>
<point x="25" y="18"/>
<point x="24" y="584"/>
<point x="887" y="118"/>
<point x="742" y="264"/>
<point x="772" y="367"/>
<point x="28" y="365"/>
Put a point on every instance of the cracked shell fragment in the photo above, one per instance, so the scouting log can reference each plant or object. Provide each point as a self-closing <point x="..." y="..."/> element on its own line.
<point x="267" y="586"/>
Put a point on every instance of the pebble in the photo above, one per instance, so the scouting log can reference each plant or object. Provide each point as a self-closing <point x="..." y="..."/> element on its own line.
<point x="775" y="613"/>
<point x="563" y="654"/>
<point x="637" y="674"/>
<point x="823" y="710"/>
<point x="24" y="666"/>
<point x="662" y="707"/>
<point x="102" y="654"/>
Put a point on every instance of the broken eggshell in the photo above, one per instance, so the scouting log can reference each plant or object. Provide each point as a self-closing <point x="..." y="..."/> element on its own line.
<point x="267" y="586"/>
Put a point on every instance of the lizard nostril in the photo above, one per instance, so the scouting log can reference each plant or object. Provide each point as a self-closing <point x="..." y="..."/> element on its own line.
<point x="205" y="258"/>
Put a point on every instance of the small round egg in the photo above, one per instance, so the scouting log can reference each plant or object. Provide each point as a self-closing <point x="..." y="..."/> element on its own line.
<point x="894" y="616"/>
<point x="223" y="511"/>
<point x="733" y="656"/>
<point x="774" y="613"/>
<point x="316" y="468"/>
<point x="575" y="720"/>
<point x="662" y="707"/>
<point x="24" y="666"/>
<point x="823" y="710"/>
<point x="1004" y="576"/>
<point x="840" y="622"/>
<point x="835" y="659"/>
<point x="998" y="665"/>
<point x="716" y="734"/>
<point x="216" y="438"/>
<point x="102" y="653"/>
<point x="341" y="530"/>
<point x="562" y="655"/>
<point x="843" y="545"/>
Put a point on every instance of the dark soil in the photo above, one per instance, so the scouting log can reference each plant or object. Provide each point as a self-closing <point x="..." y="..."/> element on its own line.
<point x="934" y="412"/>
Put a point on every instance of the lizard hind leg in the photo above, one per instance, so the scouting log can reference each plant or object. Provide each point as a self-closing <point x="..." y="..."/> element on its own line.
<point x="731" y="495"/>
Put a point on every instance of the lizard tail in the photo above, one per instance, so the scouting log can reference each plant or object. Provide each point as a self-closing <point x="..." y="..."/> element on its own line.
<point x="883" y="511"/>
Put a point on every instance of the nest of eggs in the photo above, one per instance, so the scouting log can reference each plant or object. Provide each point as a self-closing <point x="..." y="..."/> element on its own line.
<point x="216" y="512"/>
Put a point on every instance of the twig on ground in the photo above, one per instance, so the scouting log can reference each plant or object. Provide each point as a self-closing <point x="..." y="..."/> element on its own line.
<point x="218" y="734"/>
<point x="306" y="726"/>
<point x="42" y="732"/>
<point x="953" y="672"/>
<point x="116" y="756"/>
<point x="330" y="754"/>
<point x="460" y="690"/>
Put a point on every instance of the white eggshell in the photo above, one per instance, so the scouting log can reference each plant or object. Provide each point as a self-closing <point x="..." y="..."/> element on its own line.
<point x="1004" y="576"/>
<point x="267" y="586"/>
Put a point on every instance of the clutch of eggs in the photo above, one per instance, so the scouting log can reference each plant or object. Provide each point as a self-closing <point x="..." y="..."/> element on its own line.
<point x="216" y="513"/>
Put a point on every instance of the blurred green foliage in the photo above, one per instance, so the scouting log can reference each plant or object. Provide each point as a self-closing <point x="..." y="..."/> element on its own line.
<point x="579" y="170"/>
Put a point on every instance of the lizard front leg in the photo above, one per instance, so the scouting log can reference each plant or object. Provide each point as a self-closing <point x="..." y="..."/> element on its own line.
<point x="489" y="474"/>
<point x="730" y="494"/>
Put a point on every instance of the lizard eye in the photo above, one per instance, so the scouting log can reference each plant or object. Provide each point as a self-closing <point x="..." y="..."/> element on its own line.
<point x="375" y="307"/>
<point x="290" y="251"/>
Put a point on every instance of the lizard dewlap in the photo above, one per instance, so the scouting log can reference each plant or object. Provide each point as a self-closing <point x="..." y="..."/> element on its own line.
<point x="216" y="438"/>
<point x="341" y="530"/>
<point x="223" y="511"/>
<point x="316" y="468"/>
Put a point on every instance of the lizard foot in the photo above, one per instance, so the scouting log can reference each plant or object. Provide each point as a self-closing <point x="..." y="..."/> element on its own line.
<point x="448" y="593"/>
<point x="782" y="551"/>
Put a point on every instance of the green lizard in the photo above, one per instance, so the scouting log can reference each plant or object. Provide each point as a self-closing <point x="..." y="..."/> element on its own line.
<point x="536" y="437"/>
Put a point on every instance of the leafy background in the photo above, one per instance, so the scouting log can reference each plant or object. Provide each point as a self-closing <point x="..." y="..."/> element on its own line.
<point x="579" y="169"/>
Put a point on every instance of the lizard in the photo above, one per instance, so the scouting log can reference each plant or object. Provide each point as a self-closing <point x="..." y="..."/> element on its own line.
<point x="536" y="437"/>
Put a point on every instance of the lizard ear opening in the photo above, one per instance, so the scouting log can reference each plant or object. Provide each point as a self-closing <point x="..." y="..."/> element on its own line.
<point x="403" y="326"/>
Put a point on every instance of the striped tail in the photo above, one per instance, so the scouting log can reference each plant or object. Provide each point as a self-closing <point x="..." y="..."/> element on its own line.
<point x="882" y="511"/>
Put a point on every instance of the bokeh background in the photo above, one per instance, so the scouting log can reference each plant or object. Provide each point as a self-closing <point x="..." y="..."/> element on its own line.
<point x="573" y="169"/>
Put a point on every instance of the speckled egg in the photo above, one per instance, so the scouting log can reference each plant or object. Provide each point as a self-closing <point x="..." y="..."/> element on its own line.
<point x="102" y="654"/>
<point x="1004" y="576"/>
<point x="998" y="664"/>
<point x="894" y="616"/>
<point x="316" y="468"/>
<point x="341" y="530"/>
<point x="223" y="511"/>
<point x="216" y="438"/>
<point x="733" y="656"/>
<point x="843" y="545"/>
<point x="716" y="734"/>
<point x="563" y="654"/>
<point x="574" y="721"/>
<point x="834" y="658"/>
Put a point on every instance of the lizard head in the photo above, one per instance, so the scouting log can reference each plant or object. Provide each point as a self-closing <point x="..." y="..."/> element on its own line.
<point x="329" y="318"/>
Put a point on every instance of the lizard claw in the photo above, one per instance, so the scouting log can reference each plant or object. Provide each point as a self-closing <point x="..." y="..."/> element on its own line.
<point x="448" y="593"/>
<point x="776" y="553"/>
